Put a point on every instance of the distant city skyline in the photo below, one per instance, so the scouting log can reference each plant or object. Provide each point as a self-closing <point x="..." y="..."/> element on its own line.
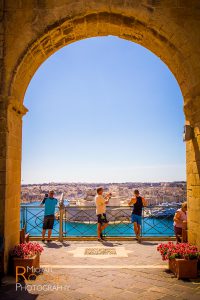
<point x="103" y="110"/>
<point x="93" y="183"/>
<point x="81" y="193"/>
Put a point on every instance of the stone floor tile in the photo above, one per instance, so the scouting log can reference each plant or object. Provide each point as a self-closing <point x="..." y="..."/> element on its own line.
<point x="126" y="295"/>
<point x="151" y="296"/>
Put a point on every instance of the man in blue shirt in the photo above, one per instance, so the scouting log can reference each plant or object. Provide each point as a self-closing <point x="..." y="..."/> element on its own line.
<point x="49" y="210"/>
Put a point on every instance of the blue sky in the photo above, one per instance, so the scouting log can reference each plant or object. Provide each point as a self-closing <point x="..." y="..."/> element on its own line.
<point x="103" y="110"/>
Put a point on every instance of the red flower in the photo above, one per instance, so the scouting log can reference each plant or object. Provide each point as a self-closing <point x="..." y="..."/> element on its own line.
<point x="182" y="250"/>
<point x="26" y="250"/>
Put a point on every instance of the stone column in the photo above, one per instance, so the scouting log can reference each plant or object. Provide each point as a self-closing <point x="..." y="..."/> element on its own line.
<point x="193" y="171"/>
<point x="11" y="113"/>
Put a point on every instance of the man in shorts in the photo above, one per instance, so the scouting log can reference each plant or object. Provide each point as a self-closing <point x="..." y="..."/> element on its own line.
<point x="50" y="204"/>
<point x="138" y="203"/>
<point x="101" y="202"/>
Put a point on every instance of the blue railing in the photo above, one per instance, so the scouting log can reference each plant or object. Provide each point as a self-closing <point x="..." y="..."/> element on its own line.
<point x="81" y="221"/>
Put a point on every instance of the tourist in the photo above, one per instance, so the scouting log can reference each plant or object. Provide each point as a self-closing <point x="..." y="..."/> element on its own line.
<point x="136" y="217"/>
<point x="180" y="220"/>
<point x="101" y="202"/>
<point x="50" y="204"/>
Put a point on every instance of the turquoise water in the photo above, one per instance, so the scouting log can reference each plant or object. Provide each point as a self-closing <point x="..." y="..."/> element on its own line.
<point x="33" y="218"/>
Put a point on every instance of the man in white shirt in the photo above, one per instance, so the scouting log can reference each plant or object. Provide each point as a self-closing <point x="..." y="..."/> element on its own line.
<point x="101" y="202"/>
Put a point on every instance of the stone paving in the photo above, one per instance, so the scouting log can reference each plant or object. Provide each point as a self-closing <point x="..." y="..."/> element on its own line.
<point x="109" y="271"/>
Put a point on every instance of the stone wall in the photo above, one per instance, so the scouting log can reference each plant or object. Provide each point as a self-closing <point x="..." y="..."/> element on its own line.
<point x="193" y="174"/>
<point x="2" y="124"/>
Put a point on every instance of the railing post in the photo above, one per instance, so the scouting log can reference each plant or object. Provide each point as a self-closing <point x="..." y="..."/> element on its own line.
<point x="22" y="217"/>
<point x="25" y="217"/>
<point x="142" y="225"/>
<point x="61" y="209"/>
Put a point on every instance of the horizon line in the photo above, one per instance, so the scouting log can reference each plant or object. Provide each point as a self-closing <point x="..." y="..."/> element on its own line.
<point x="101" y="182"/>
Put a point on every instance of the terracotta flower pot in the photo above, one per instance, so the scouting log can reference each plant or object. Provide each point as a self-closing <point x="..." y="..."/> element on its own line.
<point x="26" y="266"/>
<point x="183" y="268"/>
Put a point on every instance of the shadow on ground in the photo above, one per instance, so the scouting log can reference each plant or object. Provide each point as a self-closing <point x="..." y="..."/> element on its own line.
<point x="56" y="245"/>
<point x="110" y="244"/>
<point x="10" y="291"/>
<point x="149" y="243"/>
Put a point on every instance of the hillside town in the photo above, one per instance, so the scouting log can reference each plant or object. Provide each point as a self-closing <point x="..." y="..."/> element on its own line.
<point x="83" y="193"/>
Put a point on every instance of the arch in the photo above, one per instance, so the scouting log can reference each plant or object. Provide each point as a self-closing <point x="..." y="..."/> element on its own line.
<point x="31" y="31"/>
<point x="71" y="30"/>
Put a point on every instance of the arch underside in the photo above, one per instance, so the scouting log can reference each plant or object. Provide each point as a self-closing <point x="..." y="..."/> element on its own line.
<point x="70" y="30"/>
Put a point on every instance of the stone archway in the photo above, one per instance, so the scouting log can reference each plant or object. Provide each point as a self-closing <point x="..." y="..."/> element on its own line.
<point x="34" y="30"/>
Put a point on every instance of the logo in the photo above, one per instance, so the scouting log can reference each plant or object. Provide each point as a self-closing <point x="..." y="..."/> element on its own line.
<point x="37" y="279"/>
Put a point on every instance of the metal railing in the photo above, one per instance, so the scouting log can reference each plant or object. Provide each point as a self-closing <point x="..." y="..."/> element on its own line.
<point x="81" y="221"/>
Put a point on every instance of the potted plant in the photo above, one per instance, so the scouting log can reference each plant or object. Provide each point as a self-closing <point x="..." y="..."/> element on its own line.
<point x="26" y="258"/>
<point x="182" y="258"/>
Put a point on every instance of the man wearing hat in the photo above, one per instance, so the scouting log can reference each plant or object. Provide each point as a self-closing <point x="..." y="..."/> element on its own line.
<point x="49" y="210"/>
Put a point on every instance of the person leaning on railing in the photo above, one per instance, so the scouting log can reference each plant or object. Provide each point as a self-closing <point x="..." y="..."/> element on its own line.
<point x="180" y="220"/>
<point x="138" y="203"/>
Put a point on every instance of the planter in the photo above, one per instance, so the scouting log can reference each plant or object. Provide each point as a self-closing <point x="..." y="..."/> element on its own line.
<point x="26" y="266"/>
<point x="183" y="268"/>
<point x="172" y="265"/>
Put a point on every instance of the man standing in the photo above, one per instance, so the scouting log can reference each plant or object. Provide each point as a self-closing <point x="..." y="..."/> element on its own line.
<point x="138" y="203"/>
<point x="50" y="204"/>
<point x="101" y="202"/>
